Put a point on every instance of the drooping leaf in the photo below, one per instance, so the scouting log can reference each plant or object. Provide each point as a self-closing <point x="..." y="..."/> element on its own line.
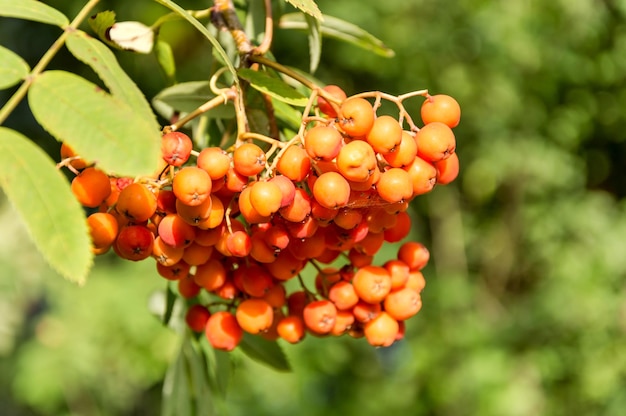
<point x="100" y="58"/>
<point x="165" y="58"/>
<point x="287" y="114"/>
<point x="186" y="97"/>
<point x="339" y="29"/>
<point x="202" y="394"/>
<point x="315" y="41"/>
<point x="219" y="367"/>
<point x="274" y="87"/>
<point x="33" y="10"/>
<point x="170" y="300"/>
<point x="307" y="6"/>
<point x="98" y="126"/>
<point x="42" y="197"/>
<point x="204" y="31"/>
<point x="13" y="68"/>
<point x="267" y="352"/>
<point x="176" y="392"/>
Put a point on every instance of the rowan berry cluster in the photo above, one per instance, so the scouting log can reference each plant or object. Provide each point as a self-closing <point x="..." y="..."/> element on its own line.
<point x="231" y="227"/>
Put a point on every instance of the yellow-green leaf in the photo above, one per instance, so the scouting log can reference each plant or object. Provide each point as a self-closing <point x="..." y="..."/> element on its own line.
<point x="42" y="197"/>
<point x="13" y="68"/>
<point x="307" y="6"/>
<point x="99" y="127"/>
<point x="274" y="87"/>
<point x="100" y="58"/>
<point x="33" y="10"/>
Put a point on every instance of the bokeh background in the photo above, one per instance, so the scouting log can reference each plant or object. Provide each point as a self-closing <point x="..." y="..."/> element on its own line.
<point x="525" y="305"/>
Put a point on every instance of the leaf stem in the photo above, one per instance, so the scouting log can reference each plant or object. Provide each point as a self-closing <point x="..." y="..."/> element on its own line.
<point x="19" y="95"/>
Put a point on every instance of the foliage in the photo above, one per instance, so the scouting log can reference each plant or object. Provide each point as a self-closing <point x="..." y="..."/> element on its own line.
<point x="524" y="308"/>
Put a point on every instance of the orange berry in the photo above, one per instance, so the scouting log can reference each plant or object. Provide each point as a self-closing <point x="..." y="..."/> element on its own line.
<point x="365" y="312"/>
<point x="371" y="243"/>
<point x="416" y="281"/>
<point x="255" y="280"/>
<point x="166" y="254"/>
<point x="399" y="272"/>
<point x="385" y="135"/>
<point x="286" y="266"/>
<point x="222" y="331"/>
<point x="294" y="163"/>
<point x="91" y="187"/>
<point x="287" y="189"/>
<point x="195" y="254"/>
<point x="266" y="197"/>
<point x="331" y="190"/>
<point x="299" y="208"/>
<point x="343" y="295"/>
<point x="441" y="108"/>
<point x="136" y="202"/>
<point x="210" y="275"/>
<point x="195" y="215"/>
<point x="276" y="296"/>
<point x="175" y="272"/>
<point x="343" y="323"/>
<point x="357" y="117"/>
<point x="404" y="153"/>
<point x="435" y="142"/>
<point x="356" y="161"/>
<point x="192" y="185"/>
<point x="176" y="148"/>
<point x="103" y="229"/>
<point x="187" y="287"/>
<point x="291" y="328"/>
<point x="239" y="244"/>
<point x="403" y="303"/>
<point x="447" y="169"/>
<point x="372" y="283"/>
<point x="134" y="242"/>
<point x="322" y="142"/>
<point x="423" y="175"/>
<point x="249" y="159"/>
<point x="254" y="315"/>
<point x="215" y="161"/>
<point x="325" y="106"/>
<point x="382" y="330"/>
<point x="414" y="254"/>
<point x="197" y="317"/>
<point x="400" y="230"/>
<point x="175" y="232"/>
<point x="319" y="316"/>
<point x="67" y="152"/>
<point x="395" y="185"/>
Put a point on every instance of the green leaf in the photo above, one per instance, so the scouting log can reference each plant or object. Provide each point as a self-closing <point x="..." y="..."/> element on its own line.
<point x="267" y="352"/>
<point x="13" y="68"/>
<point x="274" y="87"/>
<point x="175" y="392"/>
<point x="100" y="23"/>
<point x="186" y="97"/>
<point x="33" y="10"/>
<point x="165" y="58"/>
<point x="219" y="367"/>
<point x="287" y="114"/>
<point x="100" y="58"/>
<point x="204" y="31"/>
<point x="170" y="301"/>
<point x="42" y="197"/>
<point x="307" y="6"/>
<point x="98" y="126"/>
<point x="341" y="30"/>
<point x="315" y="42"/>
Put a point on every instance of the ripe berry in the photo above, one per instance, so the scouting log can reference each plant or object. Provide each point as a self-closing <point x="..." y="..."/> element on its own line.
<point x="254" y="315"/>
<point x="136" y="202"/>
<point x="291" y="328"/>
<point x="324" y="106"/>
<point x="176" y="148"/>
<point x="435" y="142"/>
<point x="331" y="190"/>
<point x="103" y="229"/>
<point x="385" y="135"/>
<point x="322" y="142"/>
<point x="372" y="283"/>
<point x="441" y="108"/>
<point x="192" y="185"/>
<point x="222" y="331"/>
<point x="91" y="187"/>
<point x="357" y="117"/>
<point x="249" y="159"/>
<point x="319" y="316"/>
<point x="382" y="330"/>
<point x="197" y="317"/>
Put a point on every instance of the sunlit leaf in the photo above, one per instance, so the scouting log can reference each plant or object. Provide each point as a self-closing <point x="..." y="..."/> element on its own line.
<point x="307" y="6"/>
<point x="33" y="10"/>
<point x="98" y="126"/>
<point x="315" y="42"/>
<point x="273" y="87"/>
<point x="42" y="197"/>
<point x="165" y="58"/>
<point x="267" y="352"/>
<point x="186" y="97"/>
<point x="100" y="58"/>
<point x="341" y="30"/>
<point x="13" y="68"/>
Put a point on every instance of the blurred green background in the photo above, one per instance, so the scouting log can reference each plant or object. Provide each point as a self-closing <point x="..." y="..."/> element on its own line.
<point x="525" y="304"/>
